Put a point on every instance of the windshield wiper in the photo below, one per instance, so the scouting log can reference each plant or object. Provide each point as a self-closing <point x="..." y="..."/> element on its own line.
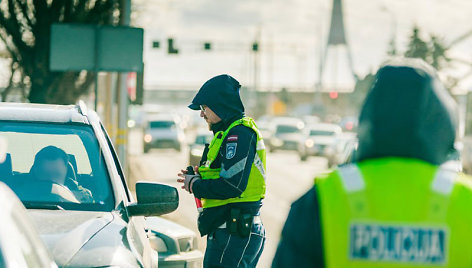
<point x="35" y="205"/>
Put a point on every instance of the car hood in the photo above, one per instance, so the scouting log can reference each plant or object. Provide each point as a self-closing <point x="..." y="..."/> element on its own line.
<point x="66" y="232"/>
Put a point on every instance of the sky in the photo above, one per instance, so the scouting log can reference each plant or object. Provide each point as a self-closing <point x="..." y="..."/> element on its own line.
<point x="291" y="35"/>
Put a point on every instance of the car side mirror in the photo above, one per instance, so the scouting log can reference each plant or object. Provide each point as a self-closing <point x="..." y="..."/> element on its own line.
<point x="154" y="199"/>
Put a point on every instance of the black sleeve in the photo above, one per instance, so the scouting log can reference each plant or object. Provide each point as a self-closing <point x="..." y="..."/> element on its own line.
<point x="301" y="244"/>
<point x="237" y="155"/>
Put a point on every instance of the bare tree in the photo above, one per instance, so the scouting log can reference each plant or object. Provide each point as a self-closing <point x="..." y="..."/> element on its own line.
<point x="25" y="29"/>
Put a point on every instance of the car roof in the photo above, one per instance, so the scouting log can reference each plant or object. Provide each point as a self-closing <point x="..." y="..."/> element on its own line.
<point x="288" y="121"/>
<point x="42" y="113"/>
<point x="324" y="126"/>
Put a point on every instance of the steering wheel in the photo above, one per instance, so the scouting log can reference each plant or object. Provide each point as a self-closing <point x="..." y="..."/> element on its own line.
<point x="46" y="191"/>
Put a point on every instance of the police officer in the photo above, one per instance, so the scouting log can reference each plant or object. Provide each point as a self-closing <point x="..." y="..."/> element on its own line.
<point x="398" y="206"/>
<point x="230" y="180"/>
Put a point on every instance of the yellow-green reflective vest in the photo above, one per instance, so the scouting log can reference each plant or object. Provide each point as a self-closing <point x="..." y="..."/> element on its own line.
<point x="396" y="212"/>
<point x="256" y="186"/>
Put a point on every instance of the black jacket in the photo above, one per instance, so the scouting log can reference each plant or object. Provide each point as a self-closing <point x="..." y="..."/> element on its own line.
<point x="407" y="114"/>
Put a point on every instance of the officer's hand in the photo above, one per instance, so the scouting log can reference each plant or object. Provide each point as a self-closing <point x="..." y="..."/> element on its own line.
<point x="187" y="180"/>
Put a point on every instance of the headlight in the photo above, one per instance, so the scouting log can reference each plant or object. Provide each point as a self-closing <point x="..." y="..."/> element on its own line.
<point x="277" y="142"/>
<point x="309" y="143"/>
<point x="148" y="138"/>
<point x="131" y="123"/>
<point x="158" y="244"/>
<point x="196" y="152"/>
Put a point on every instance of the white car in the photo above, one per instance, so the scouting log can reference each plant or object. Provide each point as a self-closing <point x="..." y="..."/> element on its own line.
<point x="177" y="245"/>
<point x="317" y="138"/>
<point x="163" y="131"/>
<point x="286" y="133"/>
<point x="342" y="151"/>
<point x="89" y="218"/>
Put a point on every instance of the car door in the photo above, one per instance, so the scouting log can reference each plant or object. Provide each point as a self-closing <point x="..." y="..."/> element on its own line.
<point x="136" y="227"/>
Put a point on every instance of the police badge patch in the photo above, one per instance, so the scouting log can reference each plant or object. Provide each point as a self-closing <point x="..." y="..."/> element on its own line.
<point x="231" y="150"/>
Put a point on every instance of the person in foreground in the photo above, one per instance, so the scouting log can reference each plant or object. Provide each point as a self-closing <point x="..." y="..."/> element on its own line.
<point x="397" y="206"/>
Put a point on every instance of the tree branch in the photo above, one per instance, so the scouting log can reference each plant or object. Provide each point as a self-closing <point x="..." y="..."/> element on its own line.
<point x="13" y="30"/>
<point x="24" y="10"/>
<point x="11" y="50"/>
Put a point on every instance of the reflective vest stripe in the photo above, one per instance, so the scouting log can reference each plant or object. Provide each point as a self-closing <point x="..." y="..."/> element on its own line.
<point x="259" y="165"/>
<point x="351" y="177"/>
<point x="444" y="180"/>
<point x="353" y="181"/>
<point x="260" y="145"/>
<point x="234" y="169"/>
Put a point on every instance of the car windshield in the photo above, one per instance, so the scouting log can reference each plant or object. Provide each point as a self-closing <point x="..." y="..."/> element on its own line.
<point x="287" y="129"/>
<point x="315" y="132"/>
<point x="161" y="124"/>
<point x="55" y="166"/>
<point x="203" y="139"/>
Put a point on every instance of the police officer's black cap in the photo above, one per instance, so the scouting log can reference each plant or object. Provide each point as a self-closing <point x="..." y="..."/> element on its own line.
<point x="221" y="94"/>
<point x="194" y="106"/>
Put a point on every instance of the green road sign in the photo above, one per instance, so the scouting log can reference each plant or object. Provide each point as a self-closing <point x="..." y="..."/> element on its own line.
<point x="77" y="47"/>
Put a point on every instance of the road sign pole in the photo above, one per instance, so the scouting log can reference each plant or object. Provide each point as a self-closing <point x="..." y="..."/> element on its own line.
<point x="122" y="133"/>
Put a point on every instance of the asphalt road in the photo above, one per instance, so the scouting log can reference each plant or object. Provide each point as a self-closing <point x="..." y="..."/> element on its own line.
<point x="288" y="178"/>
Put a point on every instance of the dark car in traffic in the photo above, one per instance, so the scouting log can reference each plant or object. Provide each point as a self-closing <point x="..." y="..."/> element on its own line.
<point x="87" y="218"/>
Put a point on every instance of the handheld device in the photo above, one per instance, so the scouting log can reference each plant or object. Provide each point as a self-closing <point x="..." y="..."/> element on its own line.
<point x="198" y="202"/>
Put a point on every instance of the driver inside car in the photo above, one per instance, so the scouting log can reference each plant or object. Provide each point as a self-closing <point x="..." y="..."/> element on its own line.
<point x="51" y="164"/>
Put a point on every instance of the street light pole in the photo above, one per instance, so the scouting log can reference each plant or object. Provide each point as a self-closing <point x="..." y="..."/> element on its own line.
<point x="256" y="47"/>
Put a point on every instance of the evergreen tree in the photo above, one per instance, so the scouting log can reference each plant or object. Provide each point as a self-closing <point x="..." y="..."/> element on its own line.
<point x="417" y="47"/>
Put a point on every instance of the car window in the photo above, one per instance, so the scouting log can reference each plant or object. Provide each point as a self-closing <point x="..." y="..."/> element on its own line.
<point x="322" y="133"/>
<point x="287" y="129"/>
<point x="57" y="165"/>
<point x="203" y="139"/>
<point x="161" y="124"/>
